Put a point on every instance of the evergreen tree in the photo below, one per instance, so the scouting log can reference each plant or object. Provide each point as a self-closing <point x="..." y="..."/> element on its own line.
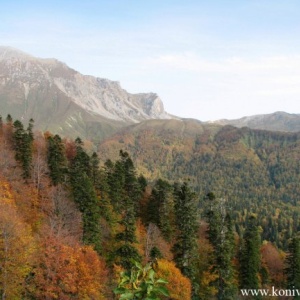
<point x="186" y="220"/>
<point x="293" y="265"/>
<point x="250" y="256"/>
<point x="160" y="208"/>
<point x="1" y="125"/>
<point x="85" y="197"/>
<point x="128" y="193"/>
<point x="29" y="129"/>
<point x="95" y="174"/>
<point x="23" y="147"/>
<point x="221" y="236"/>
<point x="9" y="119"/>
<point x="56" y="158"/>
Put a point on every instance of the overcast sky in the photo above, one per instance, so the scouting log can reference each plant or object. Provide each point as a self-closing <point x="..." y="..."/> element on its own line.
<point x="206" y="59"/>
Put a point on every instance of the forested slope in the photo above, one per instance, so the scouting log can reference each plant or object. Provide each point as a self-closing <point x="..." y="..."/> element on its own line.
<point x="71" y="221"/>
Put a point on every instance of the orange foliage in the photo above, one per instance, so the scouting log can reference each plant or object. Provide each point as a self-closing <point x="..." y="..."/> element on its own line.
<point x="65" y="272"/>
<point x="274" y="261"/>
<point x="16" y="246"/>
<point x="178" y="285"/>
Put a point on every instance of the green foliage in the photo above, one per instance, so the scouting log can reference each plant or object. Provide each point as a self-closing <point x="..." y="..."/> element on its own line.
<point x="221" y="236"/>
<point x="293" y="264"/>
<point x="56" y="159"/>
<point x="250" y="256"/>
<point x="124" y="192"/>
<point x="85" y="197"/>
<point x="141" y="283"/>
<point x="160" y="210"/>
<point x="186" y="220"/>
<point x="23" y="146"/>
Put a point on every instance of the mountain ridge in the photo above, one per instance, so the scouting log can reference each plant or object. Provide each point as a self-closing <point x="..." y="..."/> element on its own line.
<point x="47" y="89"/>
<point x="64" y="101"/>
<point x="277" y="121"/>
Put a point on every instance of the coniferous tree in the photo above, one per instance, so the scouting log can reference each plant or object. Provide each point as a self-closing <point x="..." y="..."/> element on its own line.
<point x="56" y="158"/>
<point x="160" y="208"/>
<point x="1" y="125"/>
<point x="130" y="193"/>
<point x="9" y="119"/>
<point x="186" y="220"/>
<point x="95" y="175"/>
<point x="293" y="265"/>
<point x="85" y="197"/>
<point x="23" y="147"/>
<point x="221" y="236"/>
<point x="250" y="256"/>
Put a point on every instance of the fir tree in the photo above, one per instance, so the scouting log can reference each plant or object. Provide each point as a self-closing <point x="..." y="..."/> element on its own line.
<point x="9" y="119"/>
<point x="221" y="236"/>
<point x="250" y="256"/>
<point x="23" y="147"/>
<point x="293" y="265"/>
<point x="1" y="125"/>
<point x="85" y="196"/>
<point x="160" y="208"/>
<point x="56" y="158"/>
<point x="127" y="193"/>
<point x="186" y="219"/>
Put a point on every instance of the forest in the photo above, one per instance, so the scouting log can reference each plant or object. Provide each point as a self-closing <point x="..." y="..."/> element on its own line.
<point x="73" y="226"/>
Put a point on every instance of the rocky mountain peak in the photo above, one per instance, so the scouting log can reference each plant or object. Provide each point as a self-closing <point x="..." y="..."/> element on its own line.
<point x="33" y="76"/>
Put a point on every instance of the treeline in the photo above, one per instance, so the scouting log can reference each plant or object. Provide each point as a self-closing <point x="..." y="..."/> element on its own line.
<point x="70" y="224"/>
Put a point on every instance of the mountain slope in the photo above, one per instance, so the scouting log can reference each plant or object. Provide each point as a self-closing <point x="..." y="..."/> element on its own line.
<point x="227" y="160"/>
<point x="62" y="100"/>
<point x="278" y="121"/>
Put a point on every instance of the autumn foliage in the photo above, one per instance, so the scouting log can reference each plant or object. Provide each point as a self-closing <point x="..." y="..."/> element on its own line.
<point x="178" y="285"/>
<point x="69" y="223"/>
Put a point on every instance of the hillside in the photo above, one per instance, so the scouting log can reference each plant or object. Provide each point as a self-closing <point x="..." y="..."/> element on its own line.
<point x="68" y="227"/>
<point x="254" y="169"/>
<point x="278" y="121"/>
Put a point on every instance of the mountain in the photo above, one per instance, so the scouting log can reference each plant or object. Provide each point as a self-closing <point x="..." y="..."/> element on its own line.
<point x="278" y="121"/>
<point x="64" y="101"/>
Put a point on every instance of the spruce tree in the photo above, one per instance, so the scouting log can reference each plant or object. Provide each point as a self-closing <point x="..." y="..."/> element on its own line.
<point x="293" y="265"/>
<point x="56" y="159"/>
<point x="221" y="237"/>
<point x="1" y="125"/>
<point x="160" y="208"/>
<point x="126" y="193"/>
<point x="85" y="197"/>
<point x="250" y="256"/>
<point x="23" y="147"/>
<point x="186" y="219"/>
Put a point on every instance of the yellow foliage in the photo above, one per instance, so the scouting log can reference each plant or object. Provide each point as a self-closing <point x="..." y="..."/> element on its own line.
<point x="178" y="285"/>
<point x="16" y="246"/>
<point x="206" y="290"/>
<point x="65" y="272"/>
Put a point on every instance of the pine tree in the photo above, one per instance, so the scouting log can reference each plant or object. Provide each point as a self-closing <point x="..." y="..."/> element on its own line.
<point x="186" y="219"/>
<point x="250" y="256"/>
<point x="293" y="265"/>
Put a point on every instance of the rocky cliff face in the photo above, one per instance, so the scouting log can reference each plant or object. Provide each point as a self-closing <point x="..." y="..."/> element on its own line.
<point x="43" y="88"/>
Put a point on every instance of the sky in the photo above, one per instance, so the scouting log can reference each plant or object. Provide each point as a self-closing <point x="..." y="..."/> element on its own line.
<point x="206" y="60"/>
